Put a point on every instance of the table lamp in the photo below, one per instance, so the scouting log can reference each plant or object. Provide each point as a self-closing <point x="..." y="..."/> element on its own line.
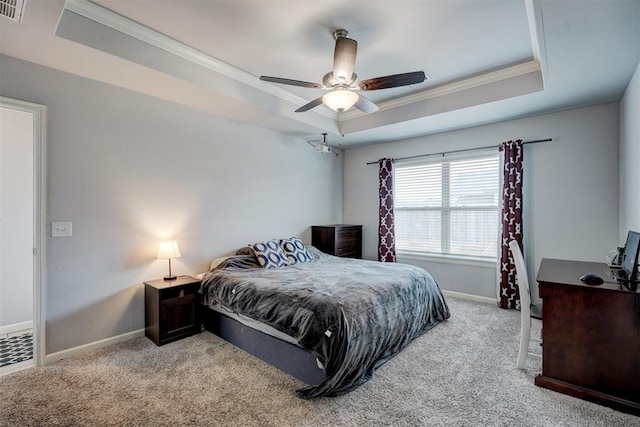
<point x="169" y="250"/>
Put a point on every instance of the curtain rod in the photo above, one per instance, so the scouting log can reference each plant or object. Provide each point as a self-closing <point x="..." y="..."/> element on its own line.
<point x="460" y="151"/>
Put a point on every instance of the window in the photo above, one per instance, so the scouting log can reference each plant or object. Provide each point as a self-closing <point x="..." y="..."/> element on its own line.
<point x="448" y="206"/>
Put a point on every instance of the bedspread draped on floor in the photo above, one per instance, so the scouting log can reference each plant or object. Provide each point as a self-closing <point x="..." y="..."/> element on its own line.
<point x="353" y="315"/>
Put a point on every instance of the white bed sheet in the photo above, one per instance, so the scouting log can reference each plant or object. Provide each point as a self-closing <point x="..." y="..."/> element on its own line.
<point x="254" y="324"/>
<point x="251" y="323"/>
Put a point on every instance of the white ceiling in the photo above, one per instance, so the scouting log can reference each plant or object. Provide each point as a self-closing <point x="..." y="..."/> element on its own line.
<point x="487" y="60"/>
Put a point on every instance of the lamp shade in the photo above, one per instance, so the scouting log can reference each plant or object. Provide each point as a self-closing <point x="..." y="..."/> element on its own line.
<point x="340" y="99"/>
<point x="169" y="250"/>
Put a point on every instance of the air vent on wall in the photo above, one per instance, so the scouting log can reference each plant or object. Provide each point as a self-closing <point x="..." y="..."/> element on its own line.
<point x="12" y="9"/>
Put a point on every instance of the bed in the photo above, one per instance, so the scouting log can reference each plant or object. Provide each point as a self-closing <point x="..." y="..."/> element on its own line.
<point x="330" y="321"/>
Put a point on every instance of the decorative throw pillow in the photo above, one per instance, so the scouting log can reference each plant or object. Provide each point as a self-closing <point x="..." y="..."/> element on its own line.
<point x="295" y="250"/>
<point x="270" y="254"/>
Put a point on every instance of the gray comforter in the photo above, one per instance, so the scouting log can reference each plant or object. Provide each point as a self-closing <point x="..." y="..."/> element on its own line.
<point x="353" y="315"/>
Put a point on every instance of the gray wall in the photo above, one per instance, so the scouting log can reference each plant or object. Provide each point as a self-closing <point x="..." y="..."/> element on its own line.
<point x="571" y="189"/>
<point x="130" y="170"/>
<point x="630" y="157"/>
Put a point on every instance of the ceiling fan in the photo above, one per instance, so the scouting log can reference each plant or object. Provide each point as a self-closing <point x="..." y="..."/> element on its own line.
<point x="342" y="81"/>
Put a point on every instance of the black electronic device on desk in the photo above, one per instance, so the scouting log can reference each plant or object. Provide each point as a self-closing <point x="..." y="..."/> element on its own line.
<point x="627" y="275"/>
<point x="591" y="279"/>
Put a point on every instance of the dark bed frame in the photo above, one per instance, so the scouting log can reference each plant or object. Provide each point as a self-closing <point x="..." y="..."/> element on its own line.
<point x="292" y="359"/>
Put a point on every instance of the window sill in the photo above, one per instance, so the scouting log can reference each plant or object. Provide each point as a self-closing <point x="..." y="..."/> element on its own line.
<point x="449" y="259"/>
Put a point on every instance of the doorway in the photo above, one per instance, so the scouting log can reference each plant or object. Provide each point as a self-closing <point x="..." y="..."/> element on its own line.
<point x="22" y="228"/>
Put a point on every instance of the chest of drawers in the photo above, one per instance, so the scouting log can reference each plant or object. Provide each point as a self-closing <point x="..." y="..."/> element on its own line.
<point x="343" y="240"/>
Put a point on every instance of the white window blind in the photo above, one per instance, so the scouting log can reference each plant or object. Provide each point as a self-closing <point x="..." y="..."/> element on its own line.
<point x="448" y="207"/>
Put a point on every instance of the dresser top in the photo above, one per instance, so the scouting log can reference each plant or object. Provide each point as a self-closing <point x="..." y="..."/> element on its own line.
<point x="338" y="225"/>
<point x="165" y="284"/>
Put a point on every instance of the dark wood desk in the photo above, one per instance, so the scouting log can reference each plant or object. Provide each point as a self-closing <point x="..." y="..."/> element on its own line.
<point x="591" y="335"/>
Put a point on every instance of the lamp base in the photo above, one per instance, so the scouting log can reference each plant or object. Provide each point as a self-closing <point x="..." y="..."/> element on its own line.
<point x="170" y="277"/>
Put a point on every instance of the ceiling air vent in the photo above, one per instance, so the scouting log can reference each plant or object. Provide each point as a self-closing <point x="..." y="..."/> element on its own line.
<point x="12" y="9"/>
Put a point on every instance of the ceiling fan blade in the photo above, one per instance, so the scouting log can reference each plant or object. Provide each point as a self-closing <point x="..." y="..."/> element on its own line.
<point x="310" y="105"/>
<point x="366" y="105"/>
<point x="291" y="82"/>
<point x="395" y="80"/>
<point x="344" y="59"/>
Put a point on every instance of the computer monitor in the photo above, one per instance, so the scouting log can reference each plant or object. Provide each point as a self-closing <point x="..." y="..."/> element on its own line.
<point x="630" y="263"/>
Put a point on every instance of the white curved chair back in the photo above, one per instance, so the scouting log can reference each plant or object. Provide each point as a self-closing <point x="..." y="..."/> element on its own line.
<point x="523" y="279"/>
<point x="525" y="304"/>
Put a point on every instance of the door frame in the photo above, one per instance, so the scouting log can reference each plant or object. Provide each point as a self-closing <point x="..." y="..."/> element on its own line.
<point x="39" y="113"/>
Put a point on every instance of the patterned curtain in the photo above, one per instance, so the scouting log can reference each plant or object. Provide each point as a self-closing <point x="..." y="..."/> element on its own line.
<point x="386" y="233"/>
<point x="511" y="221"/>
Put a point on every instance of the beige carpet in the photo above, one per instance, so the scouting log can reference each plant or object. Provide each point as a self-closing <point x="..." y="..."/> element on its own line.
<point x="461" y="373"/>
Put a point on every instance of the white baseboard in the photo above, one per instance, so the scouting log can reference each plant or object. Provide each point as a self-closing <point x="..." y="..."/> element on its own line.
<point x="476" y="298"/>
<point x="15" y="367"/>
<point x="8" y="329"/>
<point x="75" y="351"/>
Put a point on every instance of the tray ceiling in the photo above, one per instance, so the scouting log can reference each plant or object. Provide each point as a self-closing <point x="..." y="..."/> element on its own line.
<point x="486" y="60"/>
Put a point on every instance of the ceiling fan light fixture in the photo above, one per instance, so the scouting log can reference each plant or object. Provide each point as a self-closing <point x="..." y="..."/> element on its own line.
<point x="340" y="99"/>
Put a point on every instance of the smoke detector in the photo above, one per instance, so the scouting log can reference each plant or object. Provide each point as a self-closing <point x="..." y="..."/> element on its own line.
<point x="12" y="9"/>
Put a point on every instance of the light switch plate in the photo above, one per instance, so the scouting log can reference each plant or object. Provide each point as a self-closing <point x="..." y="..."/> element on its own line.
<point x="61" y="229"/>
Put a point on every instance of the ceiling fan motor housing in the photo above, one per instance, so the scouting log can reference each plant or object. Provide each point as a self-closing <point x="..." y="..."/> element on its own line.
<point x="340" y="32"/>
<point x="331" y="82"/>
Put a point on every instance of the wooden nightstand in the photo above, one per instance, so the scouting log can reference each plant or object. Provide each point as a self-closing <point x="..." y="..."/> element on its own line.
<point x="171" y="309"/>
<point x="342" y="240"/>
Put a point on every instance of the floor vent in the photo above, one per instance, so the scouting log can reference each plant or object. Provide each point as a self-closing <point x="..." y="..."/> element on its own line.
<point x="12" y="9"/>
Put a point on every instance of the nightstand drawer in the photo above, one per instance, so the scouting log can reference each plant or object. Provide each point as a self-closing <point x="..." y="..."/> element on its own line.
<point x="179" y="292"/>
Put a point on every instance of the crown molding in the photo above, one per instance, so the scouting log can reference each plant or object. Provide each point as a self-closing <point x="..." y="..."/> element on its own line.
<point x="536" y="32"/>
<point x="533" y="65"/>
<point x="154" y="38"/>
<point x="528" y="67"/>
